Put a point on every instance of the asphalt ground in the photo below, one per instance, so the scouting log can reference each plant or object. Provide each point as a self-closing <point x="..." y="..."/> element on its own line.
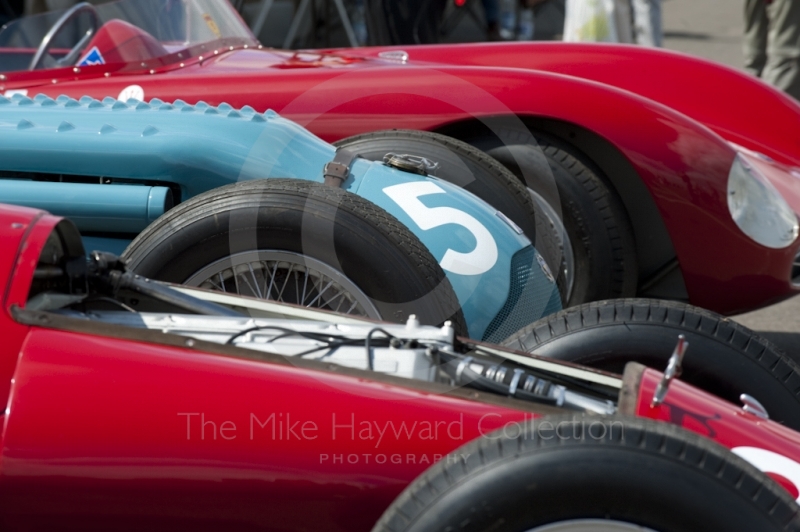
<point x="713" y="29"/>
<point x="707" y="28"/>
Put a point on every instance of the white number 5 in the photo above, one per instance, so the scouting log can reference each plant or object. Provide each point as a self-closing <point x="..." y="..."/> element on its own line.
<point x="478" y="261"/>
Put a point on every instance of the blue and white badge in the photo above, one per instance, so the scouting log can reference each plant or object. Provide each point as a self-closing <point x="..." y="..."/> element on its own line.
<point x="94" y="57"/>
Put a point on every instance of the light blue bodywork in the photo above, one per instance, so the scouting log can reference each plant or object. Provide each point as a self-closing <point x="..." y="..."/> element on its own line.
<point x="131" y="156"/>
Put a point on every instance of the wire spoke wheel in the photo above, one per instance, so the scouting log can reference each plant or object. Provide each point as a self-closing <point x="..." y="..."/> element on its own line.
<point x="252" y="238"/>
<point x="286" y="278"/>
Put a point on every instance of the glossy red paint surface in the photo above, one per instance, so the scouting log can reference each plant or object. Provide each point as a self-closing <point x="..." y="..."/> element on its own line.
<point x="672" y="127"/>
<point x="723" y="422"/>
<point x="737" y="107"/>
<point x="105" y="431"/>
<point x="23" y="232"/>
<point x="121" y="42"/>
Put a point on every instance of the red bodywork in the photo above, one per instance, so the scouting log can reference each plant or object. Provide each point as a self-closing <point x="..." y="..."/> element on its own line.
<point x="100" y="432"/>
<point x="645" y="117"/>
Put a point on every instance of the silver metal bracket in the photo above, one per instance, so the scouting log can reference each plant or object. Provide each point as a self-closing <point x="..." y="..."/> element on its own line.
<point x="674" y="370"/>
<point x="751" y="405"/>
<point x="397" y="56"/>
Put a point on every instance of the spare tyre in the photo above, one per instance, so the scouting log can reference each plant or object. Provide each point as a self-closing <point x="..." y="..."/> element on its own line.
<point x="592" y="474"/>
<point x="298" y="242"/>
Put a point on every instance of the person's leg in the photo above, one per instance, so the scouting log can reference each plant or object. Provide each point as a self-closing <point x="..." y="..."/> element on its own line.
<point x="623" y="21"/>
<point x="492" y="11"/>
<point x="647" y="22"/>
<point x="756" y="29"/>
<point x="783" y="51"/>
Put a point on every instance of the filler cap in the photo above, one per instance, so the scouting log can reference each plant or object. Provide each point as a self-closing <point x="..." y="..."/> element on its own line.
<point x="410" y="163"/>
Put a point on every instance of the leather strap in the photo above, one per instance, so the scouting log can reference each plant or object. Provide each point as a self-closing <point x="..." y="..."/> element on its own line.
<point x="337" y="171"/>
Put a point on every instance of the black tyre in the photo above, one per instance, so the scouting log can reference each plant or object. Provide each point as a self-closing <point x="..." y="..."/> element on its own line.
<point x="594" y="475"/>
<point x="474" y="171"/>
<point x="298" y="242"/>
<point x="601" y="254"/>
<point x="723" y="358"/>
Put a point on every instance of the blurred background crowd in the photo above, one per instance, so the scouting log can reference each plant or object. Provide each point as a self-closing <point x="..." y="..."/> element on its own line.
<point x="769" y="29"/>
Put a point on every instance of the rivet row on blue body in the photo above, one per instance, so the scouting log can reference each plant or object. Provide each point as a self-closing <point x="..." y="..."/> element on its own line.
<point x="64" y="127"/>
<point x="223" y="109"/>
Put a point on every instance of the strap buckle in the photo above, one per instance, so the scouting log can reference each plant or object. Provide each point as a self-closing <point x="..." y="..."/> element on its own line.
<point x="337" y="171"/>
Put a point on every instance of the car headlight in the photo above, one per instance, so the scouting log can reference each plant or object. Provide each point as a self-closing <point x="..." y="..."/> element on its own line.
<point x="758" y="208"/>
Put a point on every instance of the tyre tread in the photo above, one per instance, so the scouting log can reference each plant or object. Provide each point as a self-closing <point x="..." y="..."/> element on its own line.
<point x="639" y="435"/>
<point x="755" y="347"/>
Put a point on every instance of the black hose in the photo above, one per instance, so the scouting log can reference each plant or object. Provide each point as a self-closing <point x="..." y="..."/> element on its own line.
<point x="368" y="343"/>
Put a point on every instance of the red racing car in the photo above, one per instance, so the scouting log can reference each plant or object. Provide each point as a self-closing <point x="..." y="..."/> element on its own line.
<point x="207" y="411"/>
<point x="662" y="175"/>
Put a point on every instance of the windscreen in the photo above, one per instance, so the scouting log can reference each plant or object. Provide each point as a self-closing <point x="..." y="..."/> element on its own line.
<point x="172" y="22"/>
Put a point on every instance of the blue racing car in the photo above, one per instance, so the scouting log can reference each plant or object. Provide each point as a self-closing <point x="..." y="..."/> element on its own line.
<point x="238" y="201"/>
